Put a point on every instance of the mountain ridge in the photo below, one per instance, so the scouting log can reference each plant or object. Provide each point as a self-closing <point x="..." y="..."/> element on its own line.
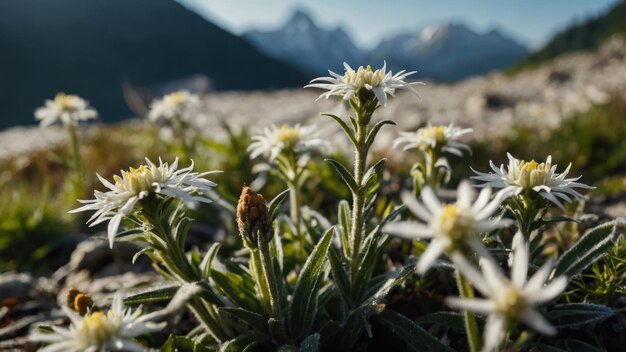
<point x="441" y="52"/>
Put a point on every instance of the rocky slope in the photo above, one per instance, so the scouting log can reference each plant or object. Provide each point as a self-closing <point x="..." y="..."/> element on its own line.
<point x="492" y="104"/>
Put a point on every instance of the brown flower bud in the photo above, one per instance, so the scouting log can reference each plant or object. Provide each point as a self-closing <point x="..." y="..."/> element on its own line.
<point x="253" y="217"/>
<point x="79" y="302"/>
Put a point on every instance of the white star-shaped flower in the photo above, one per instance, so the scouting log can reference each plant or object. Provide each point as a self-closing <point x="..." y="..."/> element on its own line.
<point x="65" y="108"/>
<point x="448" y="225"/>
<point x="380" y="82"/>
<point x="508" y="300"/>
<point x="542" y="178"/>
<point x="165" y="180"/>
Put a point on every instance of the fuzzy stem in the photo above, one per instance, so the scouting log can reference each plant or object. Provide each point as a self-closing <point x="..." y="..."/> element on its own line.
<point x="471" y="327"/>
<point x="358" y="201"/>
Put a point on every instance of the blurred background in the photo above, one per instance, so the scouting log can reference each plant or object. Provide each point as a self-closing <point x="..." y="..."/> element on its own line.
<point x="119" y="53"/>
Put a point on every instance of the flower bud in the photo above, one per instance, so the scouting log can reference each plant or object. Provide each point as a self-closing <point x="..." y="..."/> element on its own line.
<point x="79" y="302"/>
<point x="253" y="217"/>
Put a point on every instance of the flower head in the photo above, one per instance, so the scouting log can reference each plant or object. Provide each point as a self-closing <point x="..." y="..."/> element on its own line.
<point x="66" y="108"/>
<point x="432" y="137"/>
<point x="542" y="178"/>
<point x="380" y="82"/>
<point x="448" y="225"/>
<point x="135" y="184"/>
<point x="99" y="331"/>
<point x="509" y="300"/>
<point x="275" y="140"/>
<point x="253" y="217"/>
<point x="172" y="105"/>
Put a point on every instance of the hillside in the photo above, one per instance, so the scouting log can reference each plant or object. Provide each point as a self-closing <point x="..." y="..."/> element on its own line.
<point x="91" y="47"/>
<point x="582" y="36"/>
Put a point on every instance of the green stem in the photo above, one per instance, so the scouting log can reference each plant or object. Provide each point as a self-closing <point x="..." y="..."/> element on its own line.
<point x="358" y="201"/>
<point x="471" y="327"/>
<point x="272" y="284"/>
<point x="77" y="168"/>
<point x="294" y="207"/>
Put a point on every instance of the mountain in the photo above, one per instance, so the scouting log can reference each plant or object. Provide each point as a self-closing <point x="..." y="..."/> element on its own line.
<point x="446" y="52"/>
<point x="91" y="47"/>
<point x="586" y="35"/>
<point x="449" y="52"/>
<point x="301" y="42"/>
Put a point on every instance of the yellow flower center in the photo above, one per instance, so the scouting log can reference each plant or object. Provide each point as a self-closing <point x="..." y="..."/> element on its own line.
<point x="179" y="98"/>
<point x="95" y="329"/>
<point x="533" y="174"/>
<point x="453" y="223"/>
<point x="364" y="76"/>
<point x="510" y="301"/>
<point x="437" y="133"/>
<point x="65" y="102"/>
<point x="135" y="180"/>
<point x="289" y="136"/>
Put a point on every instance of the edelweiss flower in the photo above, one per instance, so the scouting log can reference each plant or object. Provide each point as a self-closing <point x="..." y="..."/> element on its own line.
<point x="137" y="184"/>
<point x="542" y="178"/>
<point x="380" y="82"/>
<point x="448" y="225"/>
<point x="69" y="109"/>
<point x="172" y="105"/>
<point x="509" y="300"/>
<point x="97" y="331"/>
<point x="275" y="140"/>
<point x="444" y="137"/>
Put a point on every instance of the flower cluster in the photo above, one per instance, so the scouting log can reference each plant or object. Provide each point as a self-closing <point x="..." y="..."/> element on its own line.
<point x="65" y="108"/>
<point x="380" y="82"/>
<point x="520" y="176"/>
<point x="298" y="139"/>
<point x="444" y="138"/>
<point x="173" y="105"/>
<point x="450" y="226"/>
<point x="509" y="300"/>
<point x="98" y="331"/>
<point x="136" y="184"/>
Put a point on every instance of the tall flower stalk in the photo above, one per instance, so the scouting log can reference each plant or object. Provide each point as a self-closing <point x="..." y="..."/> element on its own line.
<point x="69" y="110"/>
<point x="366" y="90"/>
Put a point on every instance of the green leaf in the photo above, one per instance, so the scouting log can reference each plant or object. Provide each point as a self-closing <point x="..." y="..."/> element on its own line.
<point x="245" y="341"/>
<point x="238" y="288"/>
<point x="182" y="344"/>
<point x="374" y="131"/>
<point x="207" y="261"/>
<point x="181" y="230"/>
<point x="344" y="218"/>
<point x="256" y="320"/>
<point x="344" y="174"/>
<point x="153" y="295"/>
<point x="304" y="304"/>
<point x="451" y="320"/>
<point x="339" y="273"/>
<point x="416" y="337"/>
<point x="275" y="203"/>
<point x="373" y="171"/>
<point x="591" y="247"/>
<point x="311" y="343"/>
<point x="567" y="315"/>
<point x="349" y="132"/>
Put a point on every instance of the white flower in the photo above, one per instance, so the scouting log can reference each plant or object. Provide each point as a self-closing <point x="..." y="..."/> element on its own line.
<point x="137" y="184"/>
<point x="542" y="178"/>
<point x="444" y="137"/>
<point x="275" y="140"/>
<point x="380" y="82"/>
<point x="97" y="331"/>
<point x="448" y="225"/>
<point x="172" y="105"/>
<point x="69" y="109"/>
<point x="507" y="300"/>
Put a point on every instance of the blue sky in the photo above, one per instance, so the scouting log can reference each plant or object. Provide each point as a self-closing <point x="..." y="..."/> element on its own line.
<point x="367" y="21"/>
